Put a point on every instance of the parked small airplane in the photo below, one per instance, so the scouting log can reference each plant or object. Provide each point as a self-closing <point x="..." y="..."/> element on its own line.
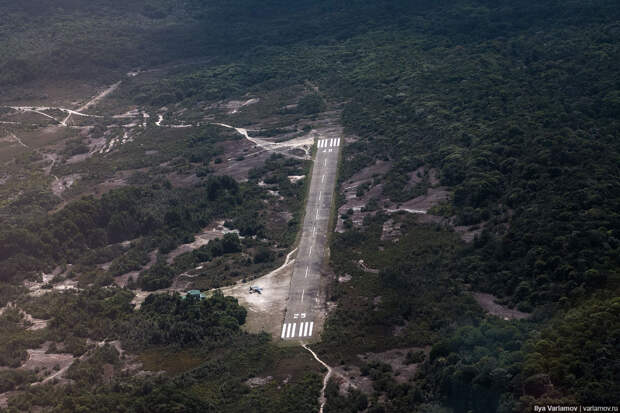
<point x="254" y="289"/>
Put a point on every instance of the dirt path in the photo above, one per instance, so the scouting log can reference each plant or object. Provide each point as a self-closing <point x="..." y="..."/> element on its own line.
<point x="322" y="399"/>
<point x="92" y="102"/>
<point x="19" y="141"/>
<point x="279" y="147"/>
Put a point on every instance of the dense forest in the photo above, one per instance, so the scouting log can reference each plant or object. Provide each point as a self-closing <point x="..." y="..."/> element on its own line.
<point x="515" y="104"/>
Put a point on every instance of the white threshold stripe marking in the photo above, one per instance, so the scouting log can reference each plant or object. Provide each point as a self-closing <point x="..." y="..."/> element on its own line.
<point x="333" y="142"/>
<point x="310" y="330"/>
<point x="302" y="297"/>
<point x="288" y="330"/>
<point x="294" y="325"/>
<point x="306" y="329"/>
<point x="338" y="142"/>
<point x="283" y="330"/>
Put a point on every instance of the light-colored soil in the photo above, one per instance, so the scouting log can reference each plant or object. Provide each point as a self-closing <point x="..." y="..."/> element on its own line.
<point x="258" y="381"/>
<point x="217" y="230"/>
<point x="36" y="287"/>
<point x="469" y="232"/>
<point x="487" y="301"/>
<point x="391" y="230"/>
<point x="123" y="280"/>
<point x="63" y="183"/>
<point x="266" y="310"/>
<point x="51" y="366"/>
<point x="424" y="202"/>
<point x="349" y="189"/>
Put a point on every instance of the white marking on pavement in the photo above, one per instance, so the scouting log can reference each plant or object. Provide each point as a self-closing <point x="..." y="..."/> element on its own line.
<point x="325" y="163"/>
<point x="310" y="252"/>
<point x="306" y="272"/>
<point x="283" y="329"/>
<point x="293" y="333"/>
<point x="332" y="142"/>
<point x="288" y="330"/>
<point x="320" y="195"/>
<point x="306" y="329"/>
<point x="302" y="295"/>
<point x="323" y="178"/>
<point x="310" y="331"/>
<point x="338" y="142"/>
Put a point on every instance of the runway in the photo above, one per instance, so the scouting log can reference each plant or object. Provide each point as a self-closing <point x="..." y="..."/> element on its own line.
<point x="303" y="307"/>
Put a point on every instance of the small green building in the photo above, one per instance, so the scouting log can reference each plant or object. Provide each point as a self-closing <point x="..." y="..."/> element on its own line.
<point x="196" y="294"/>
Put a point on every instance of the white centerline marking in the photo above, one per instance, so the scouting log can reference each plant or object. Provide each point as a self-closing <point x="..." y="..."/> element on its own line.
<point x="306" y="272"/>
<point x="325" y="163"/>
<point x="310" y="252"/>
<point x="302" y="297"/>
<point x="323" y="178"/>
<point x="320" y="195"/>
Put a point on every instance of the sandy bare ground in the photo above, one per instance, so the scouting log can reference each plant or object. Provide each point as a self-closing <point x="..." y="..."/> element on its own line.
<point x="61" y="184"/>
<point x="217" y="230"/>
<point x="487" y="301"/>
<point x="266" y="310"/>
<point x="37" y="287"/>
<point x="52" y="365"/>
<point x="123" y="279"/>
<point x="233" y="106"/>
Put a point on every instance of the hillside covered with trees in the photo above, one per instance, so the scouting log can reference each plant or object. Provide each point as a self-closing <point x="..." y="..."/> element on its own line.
<point x="513" y="105"/>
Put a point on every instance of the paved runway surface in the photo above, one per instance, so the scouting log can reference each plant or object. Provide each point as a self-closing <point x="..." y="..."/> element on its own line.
<point x="303" y="305"/>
